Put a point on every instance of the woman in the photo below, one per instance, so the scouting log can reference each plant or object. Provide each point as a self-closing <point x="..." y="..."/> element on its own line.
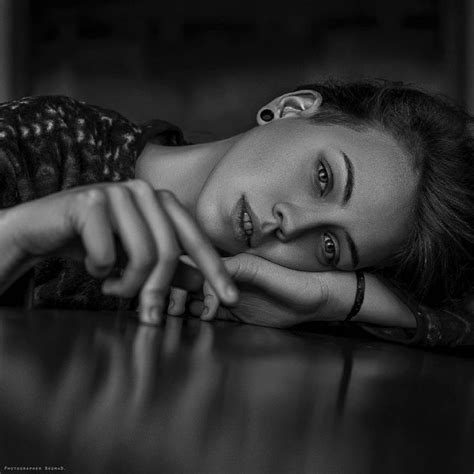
<point x="334" y="179"/>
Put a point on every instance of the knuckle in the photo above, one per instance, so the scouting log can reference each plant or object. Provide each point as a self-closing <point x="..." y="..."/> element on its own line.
<point x="141" y="188"/>
<point x="246" y="269"/>
<point x="91" y="198"/>
<point x="166" y="194"/>
<point x="119" y="191"/>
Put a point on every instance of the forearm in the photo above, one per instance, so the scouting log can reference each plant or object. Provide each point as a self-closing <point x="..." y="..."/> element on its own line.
<point x="381" y="306"/>
<point x="13" y="263"/>
<point x="391" y="314"/>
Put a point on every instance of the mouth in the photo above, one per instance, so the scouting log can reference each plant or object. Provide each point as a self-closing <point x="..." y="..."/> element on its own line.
<point x="243" y="222"/>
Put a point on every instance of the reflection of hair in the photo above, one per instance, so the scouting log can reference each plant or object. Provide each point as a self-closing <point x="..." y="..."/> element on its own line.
<point x="437" y="261"/>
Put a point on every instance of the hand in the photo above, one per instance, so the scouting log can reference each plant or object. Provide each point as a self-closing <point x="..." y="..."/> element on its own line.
<point x="270" y="295"/>
<point x="92" y="223"/>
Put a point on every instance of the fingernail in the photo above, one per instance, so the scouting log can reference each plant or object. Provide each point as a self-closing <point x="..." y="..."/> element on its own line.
<point x="152" y="315"/>
<point x="205" y="311"/>
<point x="232" y="293"/>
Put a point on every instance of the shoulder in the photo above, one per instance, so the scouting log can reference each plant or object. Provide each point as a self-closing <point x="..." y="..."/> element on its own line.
<point x="41" y="103"/>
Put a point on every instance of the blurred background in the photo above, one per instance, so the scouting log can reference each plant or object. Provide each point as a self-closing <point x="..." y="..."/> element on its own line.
<point x="208" y="66"/>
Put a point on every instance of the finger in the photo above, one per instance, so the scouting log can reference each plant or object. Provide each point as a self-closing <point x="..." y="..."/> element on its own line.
<point x="95" y="228"/>
<point x="177" y="303"/>
<point x="156" y="287"/>
<point x="290" y="287"/>
<point x="196" y="307"/>
<point x="282" y="283"/>
<point x="136" y="239"/>
<point x="200" y="249"/>
<point x="211" y="303"/>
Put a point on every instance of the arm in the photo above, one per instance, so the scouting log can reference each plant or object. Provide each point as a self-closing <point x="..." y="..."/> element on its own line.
<point x="272" y="295"/>
<point x="450" y="325"/>
<point x="16" y="276"/>
<point x="394" y="315"/>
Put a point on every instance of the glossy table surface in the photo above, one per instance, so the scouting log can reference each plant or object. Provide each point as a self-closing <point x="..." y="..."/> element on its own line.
<point x="91" y="392"/>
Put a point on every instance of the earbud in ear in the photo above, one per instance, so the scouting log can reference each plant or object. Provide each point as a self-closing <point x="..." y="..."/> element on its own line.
<point x="267" y="115"/>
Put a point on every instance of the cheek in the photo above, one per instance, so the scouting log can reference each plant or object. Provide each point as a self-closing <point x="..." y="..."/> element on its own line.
<point x="259" y="153"/>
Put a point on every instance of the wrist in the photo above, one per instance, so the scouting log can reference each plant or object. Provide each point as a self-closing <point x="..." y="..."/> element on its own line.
<point x="383" y="307"/>
<point x="341" y="290"/>
<point x="380" y="306"/>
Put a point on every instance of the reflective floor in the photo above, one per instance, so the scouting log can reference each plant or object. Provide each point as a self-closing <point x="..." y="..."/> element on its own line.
<point x="98" y="393"/>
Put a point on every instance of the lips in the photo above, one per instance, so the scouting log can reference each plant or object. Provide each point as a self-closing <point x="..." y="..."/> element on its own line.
<point x="243" y="221"/>
<point x="247" y="224"/>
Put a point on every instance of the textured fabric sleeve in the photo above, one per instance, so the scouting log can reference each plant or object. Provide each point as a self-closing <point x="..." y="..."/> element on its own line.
<point x="449" y="326"/>
<point x="52" y="143"/>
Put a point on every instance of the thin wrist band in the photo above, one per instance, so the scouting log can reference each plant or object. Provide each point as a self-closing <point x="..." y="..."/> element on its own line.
<point x="359" y="297"/>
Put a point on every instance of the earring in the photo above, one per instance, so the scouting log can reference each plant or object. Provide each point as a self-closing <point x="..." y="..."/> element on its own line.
<point x="267" y="115"/>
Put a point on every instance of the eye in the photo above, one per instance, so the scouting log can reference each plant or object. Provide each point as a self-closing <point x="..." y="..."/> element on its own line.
<point x="329" y="248"/>
<point x="323" y="177"/>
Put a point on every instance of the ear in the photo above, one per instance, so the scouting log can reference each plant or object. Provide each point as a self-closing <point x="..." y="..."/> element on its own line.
<point x="299" y="104"/>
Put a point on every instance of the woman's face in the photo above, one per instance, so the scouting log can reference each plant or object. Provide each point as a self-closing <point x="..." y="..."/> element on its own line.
<point x="310" y="197"/>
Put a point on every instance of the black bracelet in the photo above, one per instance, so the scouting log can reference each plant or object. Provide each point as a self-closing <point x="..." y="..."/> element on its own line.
<point x="359" y="297"/>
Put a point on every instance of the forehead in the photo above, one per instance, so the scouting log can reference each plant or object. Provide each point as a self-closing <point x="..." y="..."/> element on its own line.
<point x="369" y="145"/>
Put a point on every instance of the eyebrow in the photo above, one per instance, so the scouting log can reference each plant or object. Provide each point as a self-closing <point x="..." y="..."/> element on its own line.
<point x="347" y="195"/>
<point x="350" y="179"/>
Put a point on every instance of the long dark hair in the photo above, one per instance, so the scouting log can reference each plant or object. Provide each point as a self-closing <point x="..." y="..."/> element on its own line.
<point x="436" y="262"/>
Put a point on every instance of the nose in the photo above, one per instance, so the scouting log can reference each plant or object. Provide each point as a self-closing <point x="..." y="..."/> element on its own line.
<point x="293" y="220"/>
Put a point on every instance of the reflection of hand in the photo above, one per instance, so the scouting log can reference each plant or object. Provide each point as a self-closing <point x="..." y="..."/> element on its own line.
<point x="271" y="295"/>
<point x="151" y="226"/>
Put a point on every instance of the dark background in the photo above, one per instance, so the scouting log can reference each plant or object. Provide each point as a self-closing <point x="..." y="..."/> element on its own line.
<point x="208" y="66"/>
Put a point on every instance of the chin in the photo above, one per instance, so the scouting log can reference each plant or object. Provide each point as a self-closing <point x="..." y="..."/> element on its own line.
<point x="208" y="217"/>
<point x="226" y="247"/>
